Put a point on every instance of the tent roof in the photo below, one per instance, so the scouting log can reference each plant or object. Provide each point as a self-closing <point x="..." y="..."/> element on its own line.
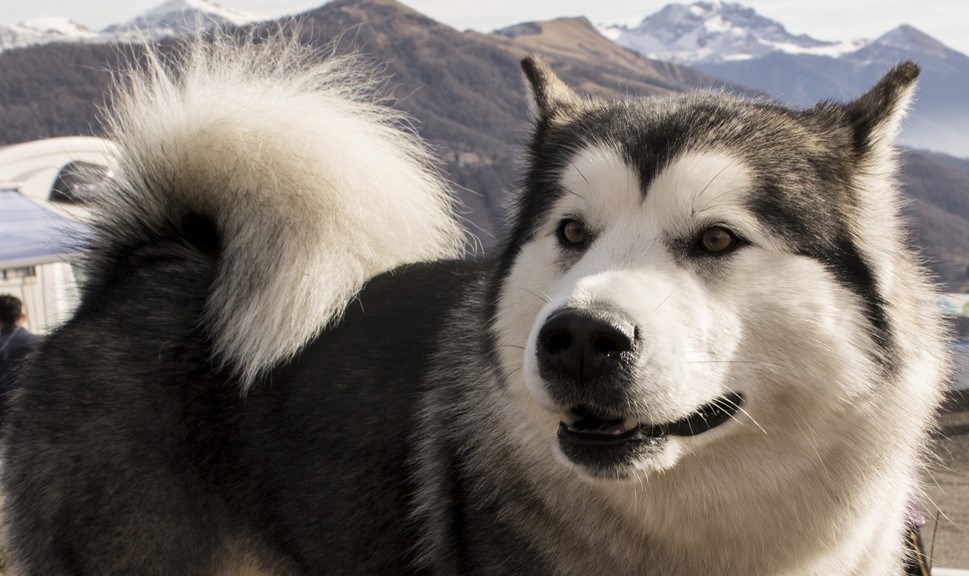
<point x="31" y="234"/>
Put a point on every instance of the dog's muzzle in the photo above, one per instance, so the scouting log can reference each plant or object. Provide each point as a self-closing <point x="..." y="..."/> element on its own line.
<point x="587" y="359"/>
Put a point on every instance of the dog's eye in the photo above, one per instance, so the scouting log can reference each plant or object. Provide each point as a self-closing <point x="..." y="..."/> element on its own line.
<point x="572" y="232"/>
<point x="717" y="240"/>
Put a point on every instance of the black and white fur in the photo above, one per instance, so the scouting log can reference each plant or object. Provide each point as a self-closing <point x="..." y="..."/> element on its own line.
<point x="278" y="367"/>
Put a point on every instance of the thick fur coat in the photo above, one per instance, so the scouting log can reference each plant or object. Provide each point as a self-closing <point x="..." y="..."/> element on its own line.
<point x="704" y="347"/>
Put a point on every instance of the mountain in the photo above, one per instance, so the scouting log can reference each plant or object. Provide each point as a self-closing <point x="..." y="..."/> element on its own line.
<point x="466" y="94"/>
<point x="182" y="17"/>
<point x="575" y="45"/>
<point x="735" y="43"/>
<point x="42" y="31"/>
<point x="709" y="32"/>
<point x="174" y="17"/>
<point x="939" y="118"/>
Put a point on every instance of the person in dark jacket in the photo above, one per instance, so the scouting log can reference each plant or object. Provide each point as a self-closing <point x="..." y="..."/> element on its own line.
<point x="15" y="343"/>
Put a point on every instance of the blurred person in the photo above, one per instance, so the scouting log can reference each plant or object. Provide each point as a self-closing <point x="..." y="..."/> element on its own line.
<point x="15" y="343"/>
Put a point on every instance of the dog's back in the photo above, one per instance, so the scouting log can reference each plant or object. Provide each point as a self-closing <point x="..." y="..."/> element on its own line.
<point x="260" y="188"/>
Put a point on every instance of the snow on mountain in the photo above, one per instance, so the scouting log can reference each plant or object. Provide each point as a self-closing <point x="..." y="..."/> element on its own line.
<point x="182" y="17"/>
<point x="908" y="40"/>
<point x="58" y="26"/>
<point x="716" y="32"/>
<point x="736" y="44"/>
<point x="170" y="18"/>
<point x="42" y="31"/>
<point x="207" y="7"/>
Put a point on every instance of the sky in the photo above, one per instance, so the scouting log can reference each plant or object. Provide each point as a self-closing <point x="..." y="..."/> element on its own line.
<point x="946" y="20"/>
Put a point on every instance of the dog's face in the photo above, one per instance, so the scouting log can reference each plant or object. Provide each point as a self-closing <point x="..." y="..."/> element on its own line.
<point x="698" y="277"/>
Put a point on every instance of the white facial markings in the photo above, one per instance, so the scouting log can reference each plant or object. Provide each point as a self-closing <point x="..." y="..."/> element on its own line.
<point x="774" y="326"/>
<point x="688" y="333"/>
<point x="699" y="189"/>
<point x="628" y="263"/>
<point x="692" y="192"/>
<point x="599" y="185"/>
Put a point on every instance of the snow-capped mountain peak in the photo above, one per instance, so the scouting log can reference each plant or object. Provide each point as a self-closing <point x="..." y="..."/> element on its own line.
<point x="42" y="31"/>
<point x="212" y="9"/>
<point x="57" y="26"/>
<point x="170" y="18"/>
<point x="911" y="39"/>
<point x="183" y="16"/>
<point x="716" y="32"/>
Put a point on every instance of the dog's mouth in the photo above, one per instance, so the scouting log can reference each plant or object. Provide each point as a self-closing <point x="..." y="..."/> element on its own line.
<point x="583" y="428"/>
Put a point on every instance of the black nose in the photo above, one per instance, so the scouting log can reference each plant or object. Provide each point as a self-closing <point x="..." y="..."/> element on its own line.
<point x="580" y="345"/>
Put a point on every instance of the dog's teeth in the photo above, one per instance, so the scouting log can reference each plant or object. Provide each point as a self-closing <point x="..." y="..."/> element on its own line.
<point x="629" y="424"/>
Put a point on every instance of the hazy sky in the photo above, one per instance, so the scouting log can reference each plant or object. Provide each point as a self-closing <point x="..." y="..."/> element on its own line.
<point x="946" y="20"/>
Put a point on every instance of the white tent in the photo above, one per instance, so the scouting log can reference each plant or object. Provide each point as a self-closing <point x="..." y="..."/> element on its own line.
<point x="32" y="234"/>
<point x="38" y="236"/>
<point x="33" y="166"/>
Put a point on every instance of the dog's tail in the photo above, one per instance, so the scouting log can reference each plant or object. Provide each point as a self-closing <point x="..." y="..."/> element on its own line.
<point x="310" y="186"/>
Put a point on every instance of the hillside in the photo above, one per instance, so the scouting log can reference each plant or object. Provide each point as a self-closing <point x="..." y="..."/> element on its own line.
<point x="938" y="187"/>
<point x="597" y="65"/>
<point x="465" y="92"/>
<point x="54" y="90"/>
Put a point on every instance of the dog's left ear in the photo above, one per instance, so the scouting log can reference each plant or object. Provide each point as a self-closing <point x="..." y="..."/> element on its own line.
<point x="549" y="95"/>
<point x="876" y="117"/>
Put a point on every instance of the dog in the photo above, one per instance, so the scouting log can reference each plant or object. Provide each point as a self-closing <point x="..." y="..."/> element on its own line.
<point x="704" y="346"/>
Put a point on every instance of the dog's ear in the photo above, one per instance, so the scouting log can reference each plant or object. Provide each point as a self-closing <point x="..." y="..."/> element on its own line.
<point x="549" y="95"/>
<point x="876" y="117"/>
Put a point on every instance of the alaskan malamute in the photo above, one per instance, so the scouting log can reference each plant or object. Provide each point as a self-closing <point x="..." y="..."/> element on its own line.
<point x="704" y="347"/>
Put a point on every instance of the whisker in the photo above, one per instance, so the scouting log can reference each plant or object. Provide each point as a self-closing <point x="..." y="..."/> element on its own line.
<point x="572" y="163"/>
<point x="810" y="437"/>
<point x="714" y="179"/>
<point x="727" y="362"/>
<point x="747" y="362"/>
<point x="752" y="419"/>
<point x="710" y="183"/>
<point x="543" y="296"/>
<point x="669" y="295"/>
<point x="574" y="193"/>
<point x="735" y="419"/>
<point x="744" y="412"/>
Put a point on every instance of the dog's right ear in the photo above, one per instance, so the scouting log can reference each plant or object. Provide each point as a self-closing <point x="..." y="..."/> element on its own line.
<point x="549" y="95"/>
<point x="876" y="117"/>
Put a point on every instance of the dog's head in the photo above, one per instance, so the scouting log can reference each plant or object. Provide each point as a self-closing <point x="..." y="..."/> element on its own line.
<point x="687" y="272"/>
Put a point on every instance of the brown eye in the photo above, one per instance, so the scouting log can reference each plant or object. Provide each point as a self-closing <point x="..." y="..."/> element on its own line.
<point x="572" y="232"/>
<point x="717" y="239"/>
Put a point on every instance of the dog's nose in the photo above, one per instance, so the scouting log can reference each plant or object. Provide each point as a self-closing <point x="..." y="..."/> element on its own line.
<point x="580" y="345"/>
